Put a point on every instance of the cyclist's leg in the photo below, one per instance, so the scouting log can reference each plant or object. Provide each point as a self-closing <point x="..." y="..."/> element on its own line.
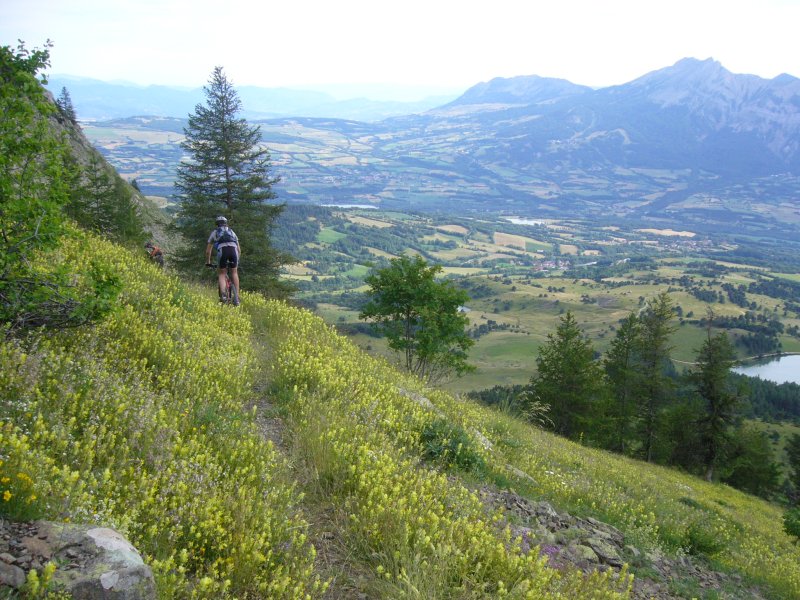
<point x="235" y="280"/>
<point x="222" y="273"/>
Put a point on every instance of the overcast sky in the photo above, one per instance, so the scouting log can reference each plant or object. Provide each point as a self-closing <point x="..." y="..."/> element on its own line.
<point x="437" y="43"/>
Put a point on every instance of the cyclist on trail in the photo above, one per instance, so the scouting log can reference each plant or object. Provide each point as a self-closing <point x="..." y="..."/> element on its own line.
<point x="228" y="252"/>
<point x="155" y="253"/>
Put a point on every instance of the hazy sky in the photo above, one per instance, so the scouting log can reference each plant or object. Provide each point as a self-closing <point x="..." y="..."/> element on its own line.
<point x="446" y="43"/>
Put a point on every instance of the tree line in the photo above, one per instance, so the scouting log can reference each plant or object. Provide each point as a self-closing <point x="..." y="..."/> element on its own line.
<point x="633" y="401"/>
<point x="49" y="182"/>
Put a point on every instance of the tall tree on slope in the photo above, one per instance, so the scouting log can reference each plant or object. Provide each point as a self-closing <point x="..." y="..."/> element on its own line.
<point x="568" y="380"/>
<point x="621" y="369"/>
<point x="712" y="379"/>
<point x="420" y="317"/>
<point x="228" y="173"/>
<point x="654" y="385"/>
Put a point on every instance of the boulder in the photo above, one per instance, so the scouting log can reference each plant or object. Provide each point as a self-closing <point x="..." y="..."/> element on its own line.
<point x="94" y="563"/>
<point x="585" y="553"/>
<point x="11" y="576"/>
<point x="606" y="551"/>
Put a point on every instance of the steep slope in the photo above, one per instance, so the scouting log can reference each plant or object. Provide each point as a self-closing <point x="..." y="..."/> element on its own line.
<point x="139" y="424"/>
<point x="86" y="162"/>
<point x="354" y="415"/>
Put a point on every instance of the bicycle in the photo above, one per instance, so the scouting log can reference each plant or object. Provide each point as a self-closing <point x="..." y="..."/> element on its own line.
<point x="229" y="296"/>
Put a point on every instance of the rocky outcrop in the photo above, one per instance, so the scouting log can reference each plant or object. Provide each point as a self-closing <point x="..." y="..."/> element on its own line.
<point x="590" y="545"/>
<point x="93" y="563"/>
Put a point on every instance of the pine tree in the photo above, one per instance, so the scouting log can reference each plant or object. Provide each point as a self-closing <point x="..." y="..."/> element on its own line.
<point x="621" y="368"/>
<point x="654" y="385"/>
<point x="568" y="380"/>
<point x="712" y="379"/>
<point x="793" y="454"/>
<point x="228" y="173"/>
<point x="65" y="107"/>
<point x="750" y="462"/>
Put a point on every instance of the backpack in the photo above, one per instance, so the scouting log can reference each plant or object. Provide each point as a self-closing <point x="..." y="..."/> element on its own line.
<point x="224" y="236"/>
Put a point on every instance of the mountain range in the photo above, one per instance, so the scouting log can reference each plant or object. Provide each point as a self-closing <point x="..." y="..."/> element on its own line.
<point x="100" y="100"/>
<point x="691" y="143"/>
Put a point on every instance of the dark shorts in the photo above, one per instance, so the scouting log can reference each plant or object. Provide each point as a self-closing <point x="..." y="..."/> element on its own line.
<point x="228" y="257"/>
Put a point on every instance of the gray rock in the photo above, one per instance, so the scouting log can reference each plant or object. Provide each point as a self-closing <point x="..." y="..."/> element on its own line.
<point x="586" y="553"/>
<point x="546" y="510"/>
<point x="633" y="551"/>
<point x="607" y="552"/>
<point x="11" y="575"/>
<point x="111" y="568"/>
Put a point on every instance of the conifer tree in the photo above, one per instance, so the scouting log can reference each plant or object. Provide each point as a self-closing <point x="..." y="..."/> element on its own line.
<point x="750" y="462"/>
<point x="793" y="454"/>
<point x="621" y="369"/>
<point x="568" y="380"/>
<point x="712" y="379"/>
<point x="654" y="385"/>
<point x="228" y="173"/>
<point x="64" y="104"/>
<point x="101" y="201"/>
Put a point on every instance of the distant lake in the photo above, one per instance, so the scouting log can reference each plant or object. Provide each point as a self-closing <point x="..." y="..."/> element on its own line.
<point x="785" y="369"/>
<point x="372" y="206"/>
<point x="521" y="221"/>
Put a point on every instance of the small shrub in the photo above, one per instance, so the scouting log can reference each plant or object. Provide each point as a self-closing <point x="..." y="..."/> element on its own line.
<point x="700" y="540"/>
<point x="449" y="445"/>
<point x="691" y="502"/>
<point x="791" y="523"/>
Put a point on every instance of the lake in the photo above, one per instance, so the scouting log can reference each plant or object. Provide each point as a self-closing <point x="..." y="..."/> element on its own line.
<point x="781" y="370"/>
<point x="368" y="206"/>
<point x="525" y="221"/>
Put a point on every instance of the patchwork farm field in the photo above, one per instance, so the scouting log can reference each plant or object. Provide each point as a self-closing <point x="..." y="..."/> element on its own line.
<point x="522" y="278"/>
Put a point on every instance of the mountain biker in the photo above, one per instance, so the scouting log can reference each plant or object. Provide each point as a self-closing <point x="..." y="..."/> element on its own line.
<point x="156" y="254"/>
<point x="228" y="252"/>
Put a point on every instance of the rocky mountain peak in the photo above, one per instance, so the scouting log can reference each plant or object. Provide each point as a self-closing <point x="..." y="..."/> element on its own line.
<point x="522" y="90"/>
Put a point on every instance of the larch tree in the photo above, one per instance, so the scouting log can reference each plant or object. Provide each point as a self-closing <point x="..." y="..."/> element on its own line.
<point x="65" y="106"/>
<point x="712" y="379"/>
<point x="228" y="173"/>
<point x="654" y="385"/>
<point x="568" y="379"/>
<point x="621" y="369"/>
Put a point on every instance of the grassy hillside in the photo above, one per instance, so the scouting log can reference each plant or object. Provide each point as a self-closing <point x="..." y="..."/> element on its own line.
<point x="160" y="420"/>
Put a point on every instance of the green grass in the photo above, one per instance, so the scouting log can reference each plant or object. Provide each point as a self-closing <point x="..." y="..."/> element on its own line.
<point x="329" y="236"/>
<point x="136" y="423"/>
<point x="359" y="271"/>
<point x="779" y="434"/>
<point x="536" y="246"/>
